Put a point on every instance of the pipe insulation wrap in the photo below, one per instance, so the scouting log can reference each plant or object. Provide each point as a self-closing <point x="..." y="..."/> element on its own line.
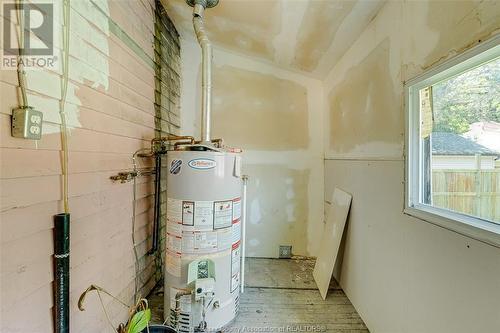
<point x="206" y="72"/>
<point x="61" y="272"/>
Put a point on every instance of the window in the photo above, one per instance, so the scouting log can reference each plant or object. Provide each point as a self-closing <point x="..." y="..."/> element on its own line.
<point x="453" y="144"/>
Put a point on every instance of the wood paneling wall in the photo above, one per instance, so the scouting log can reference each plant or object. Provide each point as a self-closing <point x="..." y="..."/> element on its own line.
<point x="120" y="97"/>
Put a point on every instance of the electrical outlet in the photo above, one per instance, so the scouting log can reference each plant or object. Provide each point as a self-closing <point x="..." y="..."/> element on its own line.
<point x="27" y="123"/>
<point x="285" y="251"/>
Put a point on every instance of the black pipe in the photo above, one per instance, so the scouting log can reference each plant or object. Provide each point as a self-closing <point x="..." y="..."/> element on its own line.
<point x="157" y="210"/>
<point x="61" y="273"/>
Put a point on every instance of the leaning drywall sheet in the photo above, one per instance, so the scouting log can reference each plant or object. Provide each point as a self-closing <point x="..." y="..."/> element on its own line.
<point x="330" y="241"/>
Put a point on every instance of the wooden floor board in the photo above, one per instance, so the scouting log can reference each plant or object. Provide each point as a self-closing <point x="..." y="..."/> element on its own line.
<point x="281" y="273"/>
<point x="281" y="296"/>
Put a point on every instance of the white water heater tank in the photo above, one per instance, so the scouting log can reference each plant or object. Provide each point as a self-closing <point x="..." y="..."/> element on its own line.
<point x="203" y="234"/>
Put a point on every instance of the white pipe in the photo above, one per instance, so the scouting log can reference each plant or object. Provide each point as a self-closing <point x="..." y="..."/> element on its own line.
<point x="243" y="233"/>
<point x="206" y="72"/>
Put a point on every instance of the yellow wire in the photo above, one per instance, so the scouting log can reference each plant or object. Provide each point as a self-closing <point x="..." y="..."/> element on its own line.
<point x="62" y="112"/>
<point x="21" y="74"/>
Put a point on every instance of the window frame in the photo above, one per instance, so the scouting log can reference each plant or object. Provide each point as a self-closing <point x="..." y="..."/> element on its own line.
<point x="474" y="227"/>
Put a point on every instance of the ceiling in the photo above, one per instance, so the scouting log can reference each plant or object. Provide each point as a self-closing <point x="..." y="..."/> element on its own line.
<point x="309" y="36"/>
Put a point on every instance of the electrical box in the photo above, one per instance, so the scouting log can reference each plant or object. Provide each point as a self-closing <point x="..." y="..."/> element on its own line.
<point x="27" y="123"/>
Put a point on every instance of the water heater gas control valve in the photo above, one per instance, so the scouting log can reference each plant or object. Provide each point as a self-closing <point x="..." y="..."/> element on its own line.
<point x="204" y="288"/>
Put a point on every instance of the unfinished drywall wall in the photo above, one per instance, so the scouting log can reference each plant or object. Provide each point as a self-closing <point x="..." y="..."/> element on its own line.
<point x="321" y="22"/>
<point x="111" y="114"/>
<point x="277" y="107"/>
<point x="403" y="274"/>
<point x="278" y="211"/>
<point x="242" y="24"/>
<point x="306" y="36"/>
<point x="274" y="115"/>
<point x="362" y="108"/>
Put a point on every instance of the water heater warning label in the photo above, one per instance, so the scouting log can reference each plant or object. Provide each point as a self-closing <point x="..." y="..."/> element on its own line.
<point x="203" y="215"/>
<point x="201" y="227"/>
<point x="224" y="239"/>
<point x="236" y="231"/>
<point x="199" y="242"/>
<point x="187" y="212"/>
<point x="236" y="209"/>
<point x="235" y="266"/>
<point x="223" y="214"/>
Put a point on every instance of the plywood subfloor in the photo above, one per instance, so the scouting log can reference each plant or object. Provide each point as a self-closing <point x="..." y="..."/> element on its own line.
<point x="281" y="295"/>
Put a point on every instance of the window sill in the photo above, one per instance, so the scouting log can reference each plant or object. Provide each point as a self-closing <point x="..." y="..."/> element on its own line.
<point x="475" y="228"/>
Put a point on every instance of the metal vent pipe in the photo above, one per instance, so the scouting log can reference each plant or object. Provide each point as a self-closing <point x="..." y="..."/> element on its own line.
<point x="206" y="65"/>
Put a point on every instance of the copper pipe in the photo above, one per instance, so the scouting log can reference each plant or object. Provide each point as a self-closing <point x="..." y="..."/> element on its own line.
<point x="218" y="142"/>
<point x="179" y="140"/>
<point x="183" y="140"/>
<point x="181" y="143"/>
<point x="172" y="137"/>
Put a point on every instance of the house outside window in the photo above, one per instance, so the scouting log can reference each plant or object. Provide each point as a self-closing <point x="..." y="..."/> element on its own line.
<point x="453" y="144"/>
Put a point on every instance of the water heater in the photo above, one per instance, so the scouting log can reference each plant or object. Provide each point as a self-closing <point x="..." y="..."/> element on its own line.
<point x="204" y="210"/>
